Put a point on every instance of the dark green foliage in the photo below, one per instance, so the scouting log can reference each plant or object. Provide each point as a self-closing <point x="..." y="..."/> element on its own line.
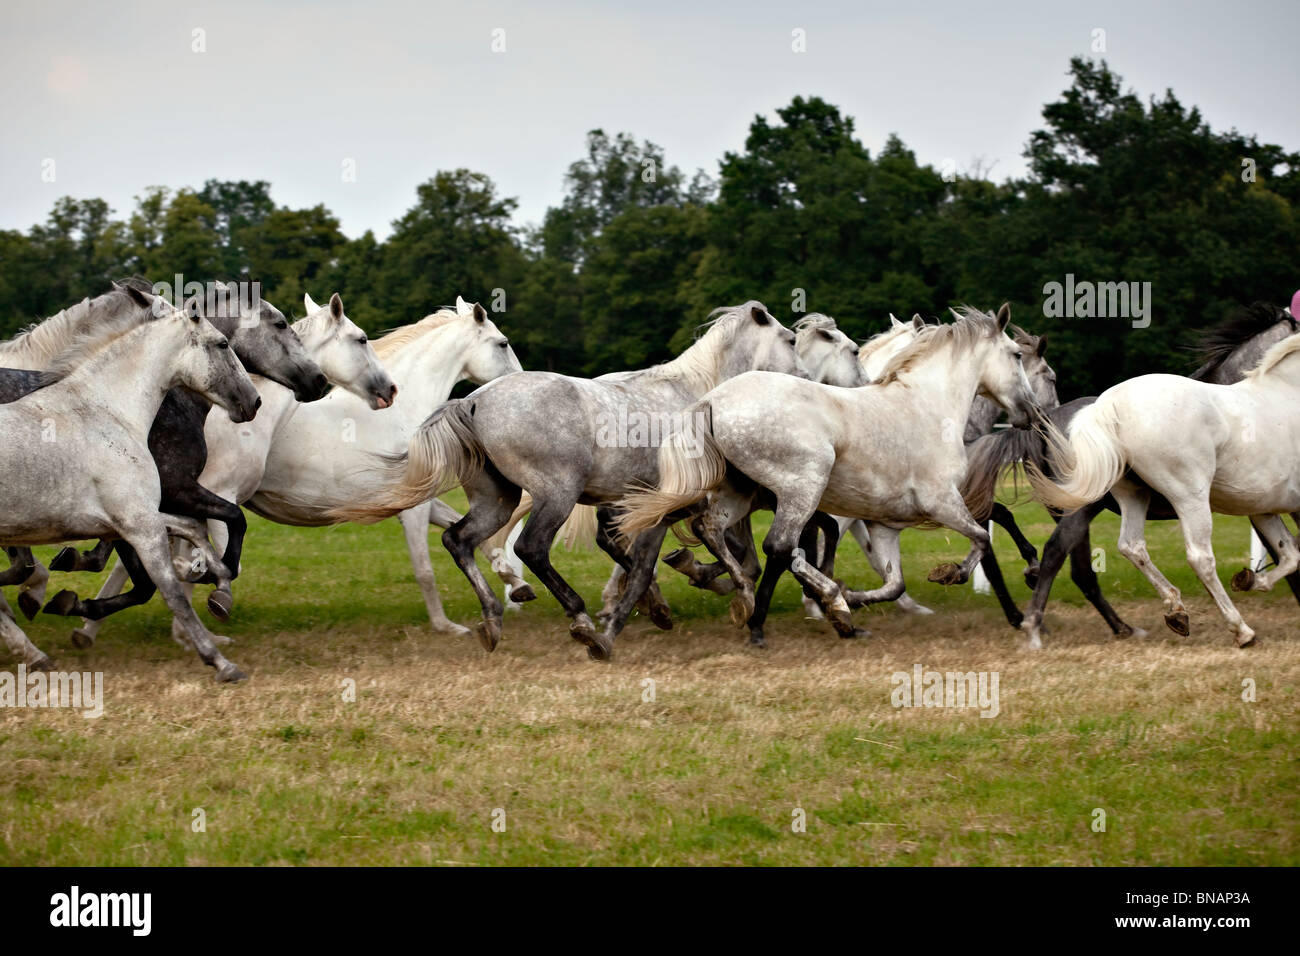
<point x="637" y="253"/>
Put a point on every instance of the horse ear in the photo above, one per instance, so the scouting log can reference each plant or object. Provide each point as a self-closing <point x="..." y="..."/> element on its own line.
<point x="955" y="314"/>
<point x="826" y="335"/>
<point x="480" y="313"/>
<point x="918" y="323"/>
<point x="893" y="322"/>
<point x="1042" y="345"/>
<point x="141" y="299"/>
<point x="462" y="307"/>
<point x="336" y="307"/>
<point x="1004" y="316"/>
<point x="309" y="304"/>
<point x="193" y="308"/>
<point x="759" y="315"/>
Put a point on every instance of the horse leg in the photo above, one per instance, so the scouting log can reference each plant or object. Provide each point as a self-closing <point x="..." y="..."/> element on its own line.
<point x="21" y="564"/>
<point x="510" y="570"/>
<point x="549" y="514"/>
<point x="85" y="635"/>
<point x="905" y="601"/>
<point x="640" y="574"/>
<point x="646" y="595"/>
<point x="951" y="512"/>
<point x="68" y="604"/>
<point x="1069" y="531"/>
<point x="887" y="551"/>
<point x="1198" y="529"/>
<point x="1133" y="504"/>
<point x="728" y="507"/>
<point x="612" y="589"/>
<point x="415" y="526"/>
<point x="195" y="501"/>
<point x="1271" y="531"/>
<point x="32" y="594"/>
<point x="816" y="583"/>
<point x="993" y="571"/>
<point x="148" y="537"/>
<point x="492" y="499"/>
<point x="1085" y="579"/>
<point x="1002" y="516"/>
<point x="792" y="513"/>
<point x="28" y="653"/>
<point x="94" y="560"/>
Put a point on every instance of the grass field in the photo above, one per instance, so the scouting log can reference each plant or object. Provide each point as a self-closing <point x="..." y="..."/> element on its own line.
<point x="735" y="748"/>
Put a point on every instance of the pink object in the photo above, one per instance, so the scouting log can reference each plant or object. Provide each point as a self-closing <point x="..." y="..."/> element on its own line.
<point x="1295" y="305"/>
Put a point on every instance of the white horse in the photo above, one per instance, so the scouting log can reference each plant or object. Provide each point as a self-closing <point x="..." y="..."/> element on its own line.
<point x="891" y="453"/>
<point x="74" y="455"/>
<point x="1234" y="449"/>
<point x="237" y="452"/>
<point x="323" y="456"/>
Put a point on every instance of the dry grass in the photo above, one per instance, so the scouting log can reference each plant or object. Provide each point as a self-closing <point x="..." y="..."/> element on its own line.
<point x="1153" y="731"/>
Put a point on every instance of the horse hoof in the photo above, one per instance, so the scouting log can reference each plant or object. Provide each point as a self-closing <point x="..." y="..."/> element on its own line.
<point x="1249" y="639"/>
<point x="63" y="603"/>
<point x="523" y="593"/>
<point x="1244" y="580"/>
<point x="219" y="605"/>
<point x="757" y="640"/>
<point x="42" y="663"/>
<point x="661" y="616"/>
<point x="28" y="604"/>
<point x="230" y="674"/>
<point x="600" y="645"/>
<point x="679" y="560"/>
<point x="842" y="621"/>
<point x="1179" y="623"/>
<point x="82" y="639"/>
<point x="742" y="608"/>
<point x="1123" y="632"/>
<point x="65" y="560"/>
<point x="945" y="574"/>
<point x="488" y="634"/>
<point x="582" y="630"/>
<point x="1031" y="576"/>
<point x="857" y="632"/>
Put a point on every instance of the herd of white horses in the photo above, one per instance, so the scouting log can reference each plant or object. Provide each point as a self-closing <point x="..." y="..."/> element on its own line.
<point x="147" y="426"/>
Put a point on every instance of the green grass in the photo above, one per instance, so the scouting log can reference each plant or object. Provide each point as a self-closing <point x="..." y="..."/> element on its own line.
<point x="714" y="769"/>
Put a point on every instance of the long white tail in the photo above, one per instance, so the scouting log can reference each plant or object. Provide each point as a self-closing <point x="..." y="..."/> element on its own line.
<point x="1087" y="464"/>
<point x="690" y="466"/>
<point x="444" y="453"/>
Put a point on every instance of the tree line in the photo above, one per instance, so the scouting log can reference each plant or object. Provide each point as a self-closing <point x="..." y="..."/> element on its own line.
<point x="1118" y="190"/>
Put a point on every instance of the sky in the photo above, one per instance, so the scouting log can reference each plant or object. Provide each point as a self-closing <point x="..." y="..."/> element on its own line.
<point x="125" y="95"/>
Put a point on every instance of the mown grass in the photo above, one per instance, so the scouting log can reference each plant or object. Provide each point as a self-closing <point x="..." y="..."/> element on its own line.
<point x="714" y="769"/>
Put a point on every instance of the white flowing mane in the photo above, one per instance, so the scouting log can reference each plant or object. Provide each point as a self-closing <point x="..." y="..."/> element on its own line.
<point x="700" y="366"/>
<point x="1274" y="356"/>
<point x="387" y="345"/>
<point x="94" y="341"/>
<point x="64" y="340"/>
<point x="970" y="326"/>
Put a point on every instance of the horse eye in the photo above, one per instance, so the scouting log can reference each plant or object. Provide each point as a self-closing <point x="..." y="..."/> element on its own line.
<point x="505" y="344"/>
<point x="223" y="344"/>
<point x="282" y="324"/>
<point x="362" y="340"/>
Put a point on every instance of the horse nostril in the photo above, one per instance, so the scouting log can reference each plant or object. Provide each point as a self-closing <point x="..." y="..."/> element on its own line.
<point x="257" y="403"/>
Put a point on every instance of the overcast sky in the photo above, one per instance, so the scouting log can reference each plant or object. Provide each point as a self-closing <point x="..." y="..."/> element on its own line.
<point x="115" y="94"/>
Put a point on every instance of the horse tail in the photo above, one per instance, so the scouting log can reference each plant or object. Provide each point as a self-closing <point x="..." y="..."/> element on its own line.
<point x="989" y="457"/>
<point x="444" y="452"/>
<point x="1087" y="463"/>
<point x="690" y="466"/>
<point x="579" y="529"/>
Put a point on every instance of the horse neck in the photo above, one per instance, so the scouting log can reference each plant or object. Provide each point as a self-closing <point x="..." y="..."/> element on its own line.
<point x="426" y="370"/>
<point x="949" y="383"/>
<point x="144" y="357"/>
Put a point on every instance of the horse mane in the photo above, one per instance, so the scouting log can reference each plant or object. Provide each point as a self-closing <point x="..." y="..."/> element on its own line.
<point x="1274" y="356"/>
<point x="878" y="341"/>
<point x="92" y="342"/>
<point x="1215" y="345"/>
<point x="815" y="321"/>
<point x="971" y="324"/>
<point x="701" y="364"/>
<point x="70" y="334"/>
<point x="396" y="340"/>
